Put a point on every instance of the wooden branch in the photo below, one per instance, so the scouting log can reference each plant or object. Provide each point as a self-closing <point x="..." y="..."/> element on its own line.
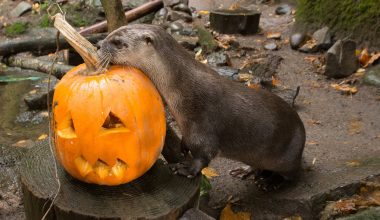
<point x="130" y="15"/>
<point x="39" y="65"/>
<point x="39" y="44"/>
<point x="85" y="49"/>
<point x="114" y="14"/>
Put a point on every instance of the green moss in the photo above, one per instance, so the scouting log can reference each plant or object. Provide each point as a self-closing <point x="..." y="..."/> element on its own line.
<point x="347" y="15"/>
<point x="45" y="21"/>
<point x="15" y="29"/>
<point x="358" y="18"/>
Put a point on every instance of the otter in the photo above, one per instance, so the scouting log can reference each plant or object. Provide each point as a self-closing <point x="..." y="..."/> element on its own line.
<point x="214" y="114"/>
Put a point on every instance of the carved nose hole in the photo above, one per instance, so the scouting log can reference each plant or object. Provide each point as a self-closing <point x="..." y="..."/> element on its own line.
<point x="112" y="121"/>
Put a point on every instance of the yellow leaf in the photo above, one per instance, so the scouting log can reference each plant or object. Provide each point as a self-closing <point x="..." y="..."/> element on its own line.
<point x="204" y="12"/>
<point x="209" y="172"/>
<point x="42" y="137"/>
<point x="228" y="214"/>
<point x="353" y="163"/>
<point x="344" y="88"/>
<point x="273" y="35"/>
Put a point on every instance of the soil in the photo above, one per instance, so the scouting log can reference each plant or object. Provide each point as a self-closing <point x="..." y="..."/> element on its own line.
<point x="342" y="148"/>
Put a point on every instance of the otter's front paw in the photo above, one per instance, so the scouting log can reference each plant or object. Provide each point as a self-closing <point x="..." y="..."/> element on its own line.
<point x="187" y="168"/>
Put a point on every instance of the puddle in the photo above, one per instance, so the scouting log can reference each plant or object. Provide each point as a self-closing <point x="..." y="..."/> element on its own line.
<point x="16" y="124"/>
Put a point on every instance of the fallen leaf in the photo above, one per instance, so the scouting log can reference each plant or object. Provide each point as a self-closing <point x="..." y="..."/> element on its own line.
<point x="310" y="58"/>
<point x="22" y="143"/>
<point x="344" y="88"/>
<point x="345" y="206"/>
<point x="353" y="163"/>
<point x="275" y="82"/>
<point x="313" y="122"/>
<point x="42" y="137"/>
<point x="204" y="12"/>
<point x="355" y="126"/>
<point x="34" y="91"/>
<point x="311" y="143"/>
<point x="374" y="57"/>
<point x="252" y="85"/>
<point x="209" y="172"/>
<point x="360" y="72"/>
<point x="364" y="57"/>
<point x="228" y="214"/>
<point x="274" y="35"/>
<point x="244" y="77"/>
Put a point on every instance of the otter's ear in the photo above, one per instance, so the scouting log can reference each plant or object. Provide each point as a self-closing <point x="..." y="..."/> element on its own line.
<point x="148" y="40"/>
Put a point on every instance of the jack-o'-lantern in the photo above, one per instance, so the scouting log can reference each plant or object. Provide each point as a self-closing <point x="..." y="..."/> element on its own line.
<point x="109" y="127"/>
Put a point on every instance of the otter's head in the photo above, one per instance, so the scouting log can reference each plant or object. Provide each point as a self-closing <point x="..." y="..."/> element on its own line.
<point x="132" y="45"/>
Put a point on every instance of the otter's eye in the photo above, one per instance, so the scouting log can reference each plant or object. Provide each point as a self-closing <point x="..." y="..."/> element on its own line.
<point x="118" y="43"/>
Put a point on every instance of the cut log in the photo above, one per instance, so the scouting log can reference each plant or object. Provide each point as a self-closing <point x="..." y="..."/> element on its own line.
<point x="58" y="70"/>
<point x="131" y="15"/>
<point x="39" y="44"/>
<point x="158" y="194"/>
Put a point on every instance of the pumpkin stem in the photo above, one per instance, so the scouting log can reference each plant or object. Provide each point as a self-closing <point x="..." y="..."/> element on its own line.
<point x="85" y="49"/>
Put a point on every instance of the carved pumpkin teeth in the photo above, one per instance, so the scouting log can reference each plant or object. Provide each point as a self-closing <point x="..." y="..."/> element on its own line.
<point x="101" y="169"/>
<point x="119" y="169"/>
<point x="83" y="166"/>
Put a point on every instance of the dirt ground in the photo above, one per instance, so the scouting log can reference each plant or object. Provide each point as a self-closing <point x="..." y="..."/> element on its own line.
<point x="343" y="135"/>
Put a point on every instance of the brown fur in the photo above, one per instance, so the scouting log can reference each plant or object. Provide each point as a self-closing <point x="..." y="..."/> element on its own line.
<point x="214" y="114"/>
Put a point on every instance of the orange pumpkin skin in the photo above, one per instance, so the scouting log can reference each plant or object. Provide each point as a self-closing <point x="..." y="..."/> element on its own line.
<point x="109" y="128"/>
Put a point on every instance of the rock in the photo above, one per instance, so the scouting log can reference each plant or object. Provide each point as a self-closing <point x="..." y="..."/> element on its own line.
<point x="372" y="77"/>
<point x="34" y="117"/>
<point x="187" y="42"/>
<point x="218" y="59"/>
<point x="37" y="98"/>
<point x="297" y="40"/>
<point x="283" y="9"/>
<point x="179" y="15"/>
<point x="194" y="213"/>
<point x="188" y="31"/>
<point x="160" y="18"/>
<point x="264" y="68"/>
<point x="182" y="7"/>
<point x="171" y="3"/>
<point x="270" y="46"/>
<point x="161" y="13"/>
<point x="341" y="60"/>
<point x="175" y="26"/>
<point x="323" y="38"/>
<point x="20" y="9"/>
<point x="226" y="71"/>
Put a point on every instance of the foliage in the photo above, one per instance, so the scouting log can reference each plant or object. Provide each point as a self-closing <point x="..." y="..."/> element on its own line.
<point x="344" y="15"/>
<point x="15" y="29"/>
<point x="45" y="21"/>
<point x="205" y="186"/>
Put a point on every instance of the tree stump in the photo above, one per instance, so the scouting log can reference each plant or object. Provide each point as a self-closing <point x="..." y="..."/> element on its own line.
<point x="158" y="194"/>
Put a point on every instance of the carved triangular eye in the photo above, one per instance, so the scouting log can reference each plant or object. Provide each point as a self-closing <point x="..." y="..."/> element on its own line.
<point x="112" y="121"/>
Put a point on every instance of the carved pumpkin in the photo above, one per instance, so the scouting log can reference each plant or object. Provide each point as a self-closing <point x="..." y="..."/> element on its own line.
<point x="109" y="128"/>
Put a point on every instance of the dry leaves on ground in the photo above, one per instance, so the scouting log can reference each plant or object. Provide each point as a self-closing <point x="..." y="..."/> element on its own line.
<point x="42" y="137"/>
<point x="345" y="88"/>
<point x="355" y="126"/>
<point x="228" y="214"/>
<point x="209" y="172"/>
<point x="274" y="35"/>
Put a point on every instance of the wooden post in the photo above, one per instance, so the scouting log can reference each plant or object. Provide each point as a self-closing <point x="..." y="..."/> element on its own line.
<point x="158" y="194"/>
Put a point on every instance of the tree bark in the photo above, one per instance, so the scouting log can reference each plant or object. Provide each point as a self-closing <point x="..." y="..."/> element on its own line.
<point x="58" y="70"/>
<point x="114" y="14"/>
<point x="130" y="16"/>
<point x="158" y="194"/>
<point x="39" y="44"/>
